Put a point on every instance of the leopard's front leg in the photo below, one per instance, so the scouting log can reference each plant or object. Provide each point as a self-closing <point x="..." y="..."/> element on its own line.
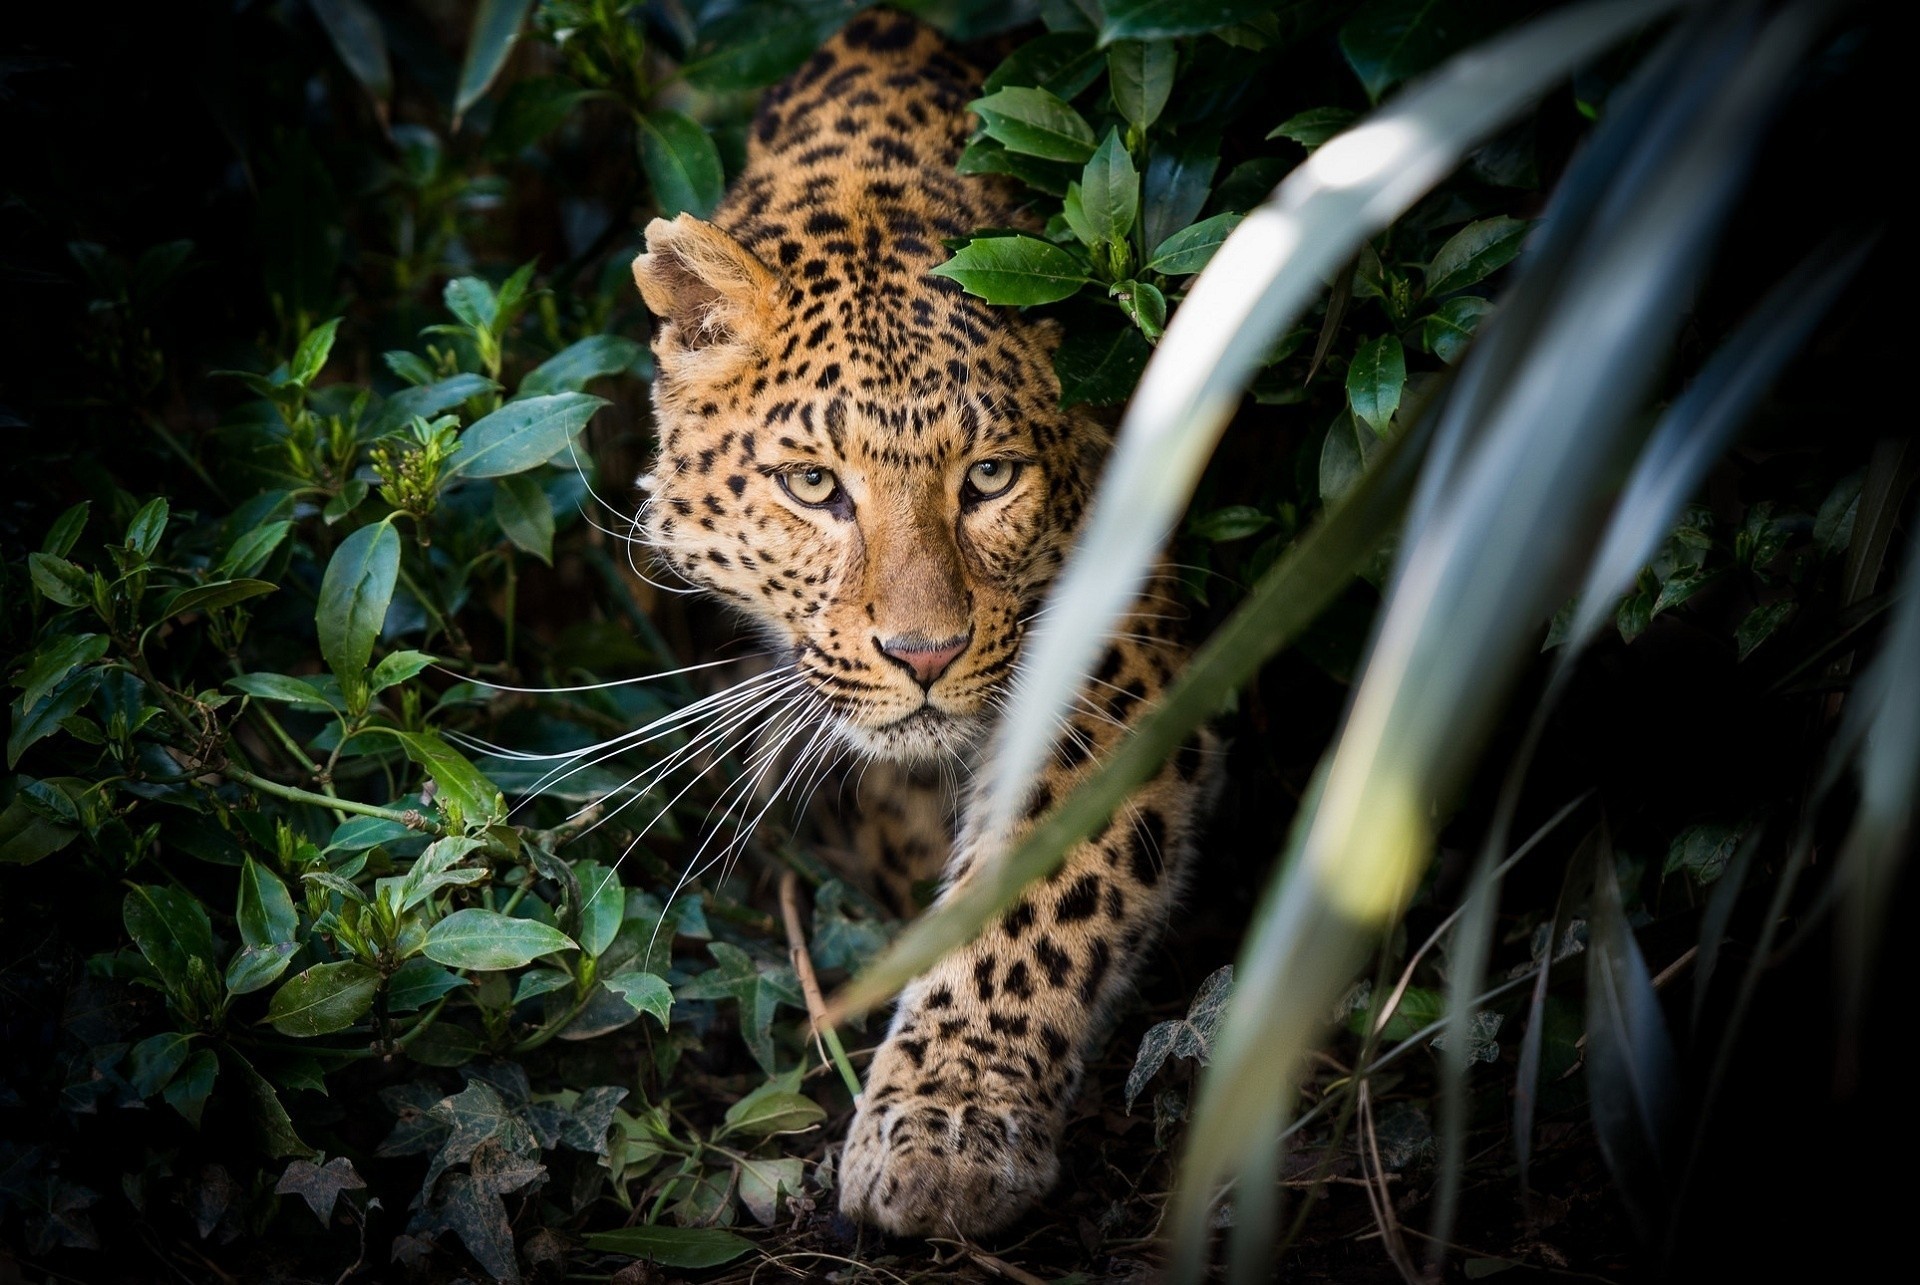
<point x="958" y="1129"/>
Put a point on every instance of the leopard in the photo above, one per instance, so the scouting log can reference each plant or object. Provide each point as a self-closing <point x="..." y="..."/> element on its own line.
<point x="876" y="469"/>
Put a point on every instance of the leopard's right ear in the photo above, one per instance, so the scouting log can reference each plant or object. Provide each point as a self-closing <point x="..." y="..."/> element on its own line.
<point x="709" y="287"/>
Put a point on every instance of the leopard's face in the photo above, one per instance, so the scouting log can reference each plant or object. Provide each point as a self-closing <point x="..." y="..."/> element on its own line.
<point x="888" y="504"/>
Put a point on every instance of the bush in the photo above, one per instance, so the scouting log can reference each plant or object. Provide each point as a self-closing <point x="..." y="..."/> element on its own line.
<point x="320" y="573"/>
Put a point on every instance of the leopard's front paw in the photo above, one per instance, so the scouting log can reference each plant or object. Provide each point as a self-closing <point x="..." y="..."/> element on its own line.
<point x="923" y="1166"/>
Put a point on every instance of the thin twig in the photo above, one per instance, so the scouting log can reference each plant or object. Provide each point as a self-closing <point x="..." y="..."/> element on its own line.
<point x="810" y="984"/>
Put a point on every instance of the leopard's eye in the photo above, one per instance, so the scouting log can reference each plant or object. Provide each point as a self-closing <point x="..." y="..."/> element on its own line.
<point x="989" y="478"/>
<point x="811" y="485"/>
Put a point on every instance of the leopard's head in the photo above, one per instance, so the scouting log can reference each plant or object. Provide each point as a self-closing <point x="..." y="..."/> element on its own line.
<point x="877" y="472"/>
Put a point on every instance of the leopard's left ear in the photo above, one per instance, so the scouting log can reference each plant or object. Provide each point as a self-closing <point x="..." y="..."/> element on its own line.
<point x="706" y="285"/>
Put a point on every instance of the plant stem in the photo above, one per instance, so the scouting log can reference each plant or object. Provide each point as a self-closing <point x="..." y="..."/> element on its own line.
<point x="294" y="794"/>
<point x="810" y="985"/>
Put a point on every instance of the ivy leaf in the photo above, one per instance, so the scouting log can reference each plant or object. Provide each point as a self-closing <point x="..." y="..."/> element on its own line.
<point x="1375" y="379"/>
<point x="354" y="595"/>
<point x="324" y="999"/>
<point x="1474" y="253"/>
<point x="522" y="435"/>
<point x="1191" y="1037"/>
<point x="682" y="164"/>
<point x="1034" y="122"/>
<point x="758" y="988"/>
<point x="486" y="939"/>
<point x="319" y="1185"/>
<point x="839" y="939"/>
<point x="644" y="992"/>
<point x="1018" y="270"/>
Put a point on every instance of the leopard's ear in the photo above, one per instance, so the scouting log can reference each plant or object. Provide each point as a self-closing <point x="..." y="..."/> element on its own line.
<point x="708" y="286"/>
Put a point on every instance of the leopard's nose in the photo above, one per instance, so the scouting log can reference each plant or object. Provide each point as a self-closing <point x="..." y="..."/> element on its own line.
<point x="924" y="658"/>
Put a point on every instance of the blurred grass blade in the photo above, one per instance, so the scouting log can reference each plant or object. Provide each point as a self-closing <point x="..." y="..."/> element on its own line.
<point x="1883" y="825"/>
<point x="1264" y="276"/>
<point x="1287" y="598"/>
<point x="1630" y="1058"/>
<point x="1553" y="411"/>
<point x="496" y="26"/>
<point x="1526" y="1086"/>
<point x="1713" y="924"/>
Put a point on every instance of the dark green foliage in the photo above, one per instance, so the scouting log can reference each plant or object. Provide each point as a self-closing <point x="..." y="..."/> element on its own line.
<point x="323" y="360"/>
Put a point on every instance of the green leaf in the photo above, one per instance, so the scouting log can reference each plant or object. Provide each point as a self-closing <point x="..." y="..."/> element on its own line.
<point x="49" y="663"/>
<point x="354" y="595"/>
<point x="496" y="26"/>
<point x="153" y="1062"/>
<point x="683" y="1247"/>
<point x="531" y="109"/>
<point x="58" y="580"/>
<point x="1191" y="1038"/>
<point x="525" y="515"/>
<point x="1703" y="851"/>
<point x="43" y="720"/>
<point x="1099" y="367"/>
<point x="1375" y="379"/>
<point x="573" y="367"/>
<point x="759" y="989"/>
<point x="984" y="156"/>
<point x="1164" y="19"/>
<point x="297" y="692"/>
<point x="1762" y="623"/>
<point x="143" y="533"/>
<point x="1110" y="191"/>
<point x="255" y="968"/>
<point x="409" y="366"/>
<point x="272" y="1126"/>
<point x="603" y="903"/>
<point x="265" y="914"/>
<point x="1178" y="179"/>
<point x="436" y="868"/>
<point x="213" y="596"/>
<point x="418" y="983"/>
<point x="427" y="401"/>
<point x="1062" y="63"/>
<point x="1388" y="41"/>
<point x="66" y="530"/>
<point x="1475" y="252"/>
<point x="761" y="1183"/>
<point x="645" y="992"/>
<point x="171" y="929"/>
<point x="355" y="32"/>
<point x="1144" y="305"/>
<point x="1140" y="74"/>
<point x="1035" y="123"/>
<point x="323" y="999"/>
<point x="1017" y="270"/>
<point x="311" y="357"/>
<point x="749" y="48"/>
<point x="774" y="1107"/>
<point x="472" y="300"/>
<point x="320" y="1186"/>
<point x="459" y="781"/>
<point x="1235" y="522"/>
<point x="522" y="435"/>
<point x="682" y="164"/>
<point x="187" y="1092"/>
<point x="250" y="552"/>
<point x="536" y="982"/>
<point x="26" y="835"/>
<point x="1188" y="250"/>
<point x="486" y="939"/>
<point x="397" y="667"/>
<point x="1315" y="126"/>
<point x="1451" y="327"/>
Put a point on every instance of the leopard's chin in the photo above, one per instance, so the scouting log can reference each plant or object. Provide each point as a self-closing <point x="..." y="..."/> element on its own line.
<point x="926" y="736"/>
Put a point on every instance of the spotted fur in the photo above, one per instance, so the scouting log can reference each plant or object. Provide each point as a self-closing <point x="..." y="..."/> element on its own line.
<point x="801" y="336"/>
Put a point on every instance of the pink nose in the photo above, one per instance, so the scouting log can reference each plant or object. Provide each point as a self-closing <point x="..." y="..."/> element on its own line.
<point x="925" y="660"/>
